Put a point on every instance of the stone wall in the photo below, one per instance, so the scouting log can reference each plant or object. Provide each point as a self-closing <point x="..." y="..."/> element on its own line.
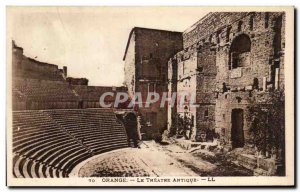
<point x="186" y="84"/>
<point x="206" y="68"/>
<point x="172" y="88"/>
<point x="204" y="29"/>
<point x="146" y="70"/>
<point x="255" y="75"/>
<point x="129" y="68"/>
<point x="239" y="56"/>
<point x="25" y="67"/>
<point x="39" y="85"/>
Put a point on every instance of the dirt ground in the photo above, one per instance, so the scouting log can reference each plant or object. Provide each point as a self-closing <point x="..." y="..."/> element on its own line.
<point x="153" y="159"/>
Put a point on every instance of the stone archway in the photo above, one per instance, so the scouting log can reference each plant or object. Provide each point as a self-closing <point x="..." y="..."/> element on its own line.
<point x="240" y="49"/>
<point x="130" y="123"/>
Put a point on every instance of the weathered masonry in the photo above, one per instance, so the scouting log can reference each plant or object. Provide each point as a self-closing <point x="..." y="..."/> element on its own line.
<point x="227" y="59"/>
<point x="146" y="70"/>
<point x="39" y="85"/>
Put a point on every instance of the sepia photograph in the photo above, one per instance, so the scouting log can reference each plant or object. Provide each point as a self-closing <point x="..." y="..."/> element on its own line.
<point x="150" y="96"/>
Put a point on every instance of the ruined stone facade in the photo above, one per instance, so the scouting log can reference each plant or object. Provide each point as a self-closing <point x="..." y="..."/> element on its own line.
<point x="146" y="70"/>
<point x="39" y="85"/>
<point x="26" y="67"/>
<point x="227" y="59"/>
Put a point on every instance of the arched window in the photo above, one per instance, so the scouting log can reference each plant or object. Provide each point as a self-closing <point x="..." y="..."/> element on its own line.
<point x="239" y="55"/>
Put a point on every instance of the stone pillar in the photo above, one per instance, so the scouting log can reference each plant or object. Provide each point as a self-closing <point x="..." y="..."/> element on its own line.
<point x="139" y="126"/>
<point x="148" y="87"/>
<point x="276" y="78"/>
<point x="264" y="83"/>
<point x="270" y="73"/>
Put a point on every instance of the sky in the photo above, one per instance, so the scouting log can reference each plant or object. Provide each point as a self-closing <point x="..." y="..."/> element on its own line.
<point x="90" y="41"/>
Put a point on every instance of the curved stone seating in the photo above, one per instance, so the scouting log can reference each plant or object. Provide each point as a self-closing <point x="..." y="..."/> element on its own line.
<point x="99" y="126"/>
<point x="43" y="91"/>
<point x="90" y="93"/>
<point x="49" y="143"/>
<point x="36" y="93"/>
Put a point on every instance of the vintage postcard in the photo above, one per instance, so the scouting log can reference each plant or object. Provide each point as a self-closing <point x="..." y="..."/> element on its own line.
<point x="150" y="96"/>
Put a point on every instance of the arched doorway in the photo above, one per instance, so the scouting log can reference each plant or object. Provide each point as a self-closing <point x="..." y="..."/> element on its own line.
<point x="237" y="128"/>
<point x="130" y="123"/>
<point x="239" y="55"/>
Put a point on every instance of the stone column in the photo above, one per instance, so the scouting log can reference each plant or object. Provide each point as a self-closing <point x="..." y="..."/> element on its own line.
<point x="264" y="83"/>
<point x="276" y="78"/>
